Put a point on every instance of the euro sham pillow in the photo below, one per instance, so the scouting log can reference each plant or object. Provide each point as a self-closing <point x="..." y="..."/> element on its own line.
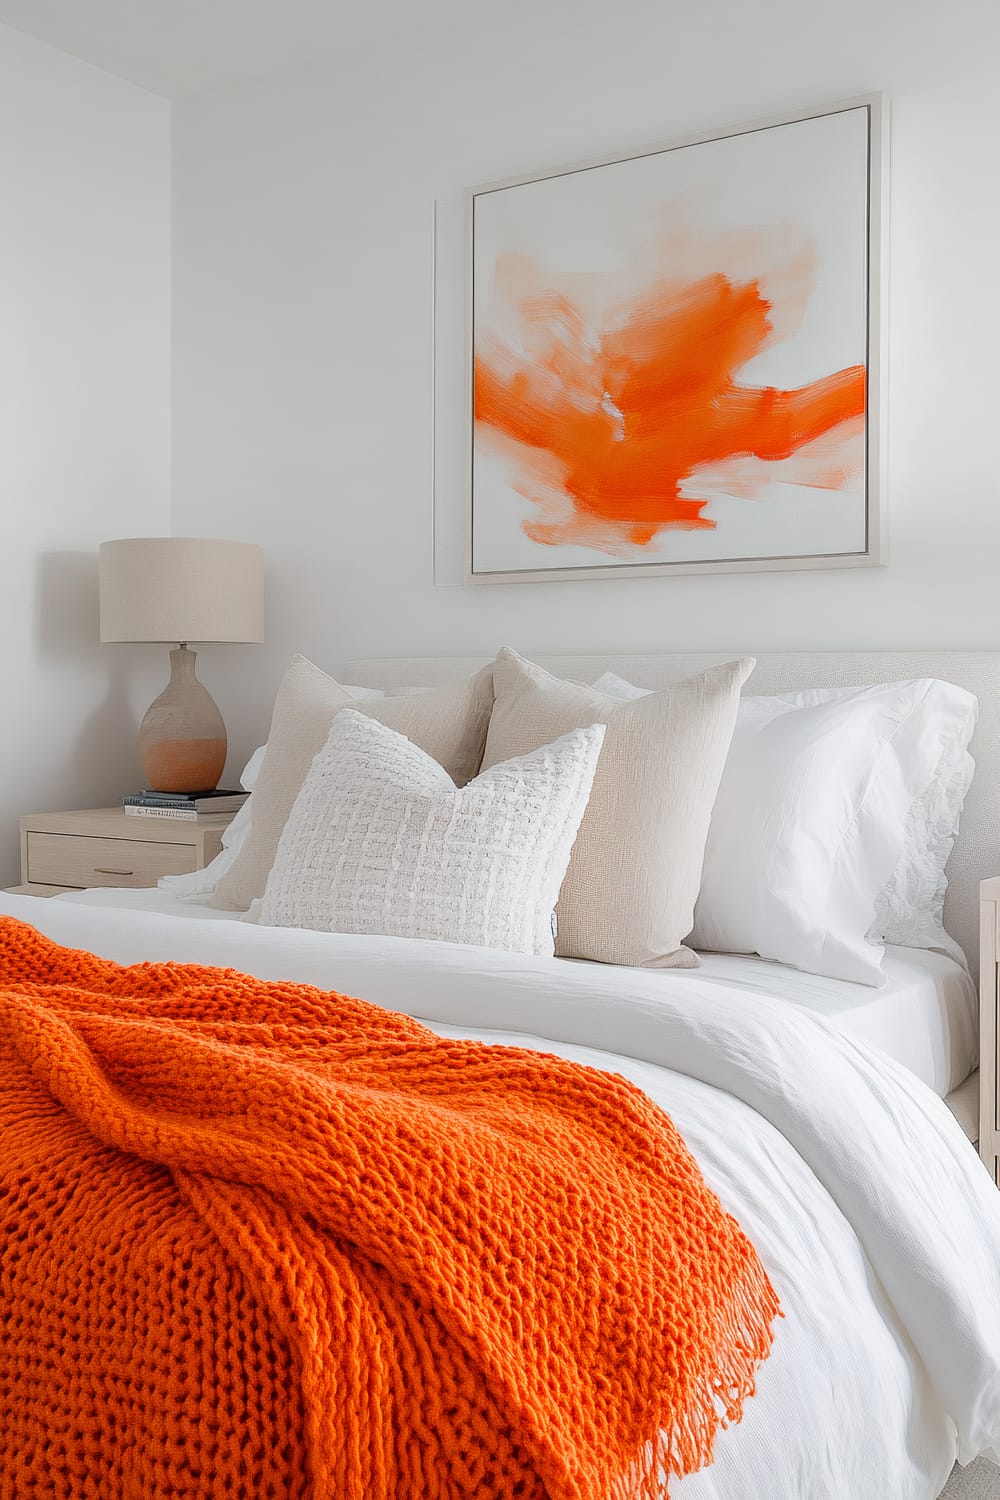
<point x="899" y="753"/>
<point x="633" y="878"/>
<point x="381" y="840"/>
<point x="449" y="723"/>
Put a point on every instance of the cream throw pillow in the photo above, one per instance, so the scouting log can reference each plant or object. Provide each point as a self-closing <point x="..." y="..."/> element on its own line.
<point x="633" y="879"/>
<point x="381" y="840"/>
<point x="448" y="723"/>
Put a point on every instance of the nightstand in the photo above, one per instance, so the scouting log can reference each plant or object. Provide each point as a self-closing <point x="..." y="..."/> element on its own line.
<point x="103" y="846"/>
<point x="989" y="1013"/>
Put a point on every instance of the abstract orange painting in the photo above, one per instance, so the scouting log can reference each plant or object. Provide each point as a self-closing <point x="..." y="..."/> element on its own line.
<point x="673" y="357"/>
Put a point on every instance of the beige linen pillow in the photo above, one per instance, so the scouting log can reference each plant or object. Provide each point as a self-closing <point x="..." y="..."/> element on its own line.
<point x="635" y="871"/>
<point x="449" y="723"/>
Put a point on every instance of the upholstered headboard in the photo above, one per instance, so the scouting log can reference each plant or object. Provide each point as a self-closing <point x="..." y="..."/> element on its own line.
<point x="977" y="851"/>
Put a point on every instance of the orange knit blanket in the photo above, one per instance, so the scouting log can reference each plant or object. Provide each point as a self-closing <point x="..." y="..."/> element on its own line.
<point x="261" y="1241"/>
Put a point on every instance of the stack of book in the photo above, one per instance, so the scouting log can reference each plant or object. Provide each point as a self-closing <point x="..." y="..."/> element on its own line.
<point x="188" y="805"/>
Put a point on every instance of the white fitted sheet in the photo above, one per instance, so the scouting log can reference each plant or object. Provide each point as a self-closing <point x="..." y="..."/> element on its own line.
<point x="924" y="1016"/>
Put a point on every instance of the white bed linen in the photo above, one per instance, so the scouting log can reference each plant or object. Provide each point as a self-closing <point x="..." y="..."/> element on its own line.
<point x="875" y="1219"/>
<point x="924" y="1016"/>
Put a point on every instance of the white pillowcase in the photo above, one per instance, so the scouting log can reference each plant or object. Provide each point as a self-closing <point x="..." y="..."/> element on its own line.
<point x="835" y="818"/>
<point x="910" y="908"/>
<point x="201" y="883"/>
<point x="381" y="840"/>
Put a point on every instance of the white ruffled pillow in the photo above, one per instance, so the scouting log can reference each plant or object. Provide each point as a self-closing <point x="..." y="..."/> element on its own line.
<point x="910" y="908"/>
<point x="835" y="819"/>
<point x="381" y="840"/>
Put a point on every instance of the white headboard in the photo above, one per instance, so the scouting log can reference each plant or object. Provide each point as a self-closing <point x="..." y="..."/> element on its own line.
<point x="977" y="851"/>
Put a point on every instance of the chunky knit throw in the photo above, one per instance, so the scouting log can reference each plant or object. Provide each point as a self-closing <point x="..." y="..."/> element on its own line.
<point x="261" y="1241"/>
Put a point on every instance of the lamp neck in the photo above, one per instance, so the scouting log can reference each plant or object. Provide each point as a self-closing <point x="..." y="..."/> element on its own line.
<point x="182" y="664"/>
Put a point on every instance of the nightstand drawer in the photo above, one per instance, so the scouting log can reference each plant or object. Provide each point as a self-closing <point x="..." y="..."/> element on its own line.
<point x="79" y="860"/>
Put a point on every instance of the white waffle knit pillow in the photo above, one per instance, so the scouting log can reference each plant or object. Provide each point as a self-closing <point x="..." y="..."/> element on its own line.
<point x="381" y="840"/>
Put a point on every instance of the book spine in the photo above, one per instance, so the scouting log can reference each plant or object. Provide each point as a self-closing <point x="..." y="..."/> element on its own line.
<point x="181" y="814"/>
<point x="228" y="802"/>
<point x="139" y="799"/>
<point x="172" y="799"/>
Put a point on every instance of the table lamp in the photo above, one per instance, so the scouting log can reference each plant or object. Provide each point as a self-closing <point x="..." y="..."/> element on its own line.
<point x="175" y="590"/>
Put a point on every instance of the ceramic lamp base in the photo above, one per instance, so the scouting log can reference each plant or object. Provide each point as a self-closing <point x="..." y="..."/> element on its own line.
<point x="182" y="738"/>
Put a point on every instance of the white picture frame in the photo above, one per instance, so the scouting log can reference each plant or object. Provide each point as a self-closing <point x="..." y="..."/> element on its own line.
<point x="869" y="549"/>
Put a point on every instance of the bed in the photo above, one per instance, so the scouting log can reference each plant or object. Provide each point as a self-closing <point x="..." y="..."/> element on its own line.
<point x="812" y="1106"/>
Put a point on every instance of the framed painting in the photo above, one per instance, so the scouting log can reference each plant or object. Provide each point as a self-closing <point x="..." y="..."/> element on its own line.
<point x="674" y="356"/>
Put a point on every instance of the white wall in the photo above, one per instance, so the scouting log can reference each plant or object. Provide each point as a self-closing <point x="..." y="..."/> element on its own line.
<point x="303" y="316"/>
<point x="84" y="416"/>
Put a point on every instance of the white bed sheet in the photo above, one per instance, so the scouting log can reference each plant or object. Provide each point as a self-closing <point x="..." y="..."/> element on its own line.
<point x="924" y="1016"/>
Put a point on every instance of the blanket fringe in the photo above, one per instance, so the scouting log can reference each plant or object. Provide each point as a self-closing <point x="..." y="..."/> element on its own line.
<point x="745" y="1335"/>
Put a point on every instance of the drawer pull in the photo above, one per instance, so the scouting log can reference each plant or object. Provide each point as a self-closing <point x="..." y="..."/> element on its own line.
<point x="99" y="870"/>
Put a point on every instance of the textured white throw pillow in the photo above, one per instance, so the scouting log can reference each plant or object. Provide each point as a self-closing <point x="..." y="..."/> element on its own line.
<point x="930" y="754"/>
<point x="630" y="889"/>
<point x="381" y="840"/>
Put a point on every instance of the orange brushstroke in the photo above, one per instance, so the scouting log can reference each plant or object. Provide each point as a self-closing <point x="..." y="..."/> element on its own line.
<point x="610" y="423"/>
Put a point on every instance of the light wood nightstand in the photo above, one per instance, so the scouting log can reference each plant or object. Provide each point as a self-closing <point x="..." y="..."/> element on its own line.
<point x="989" y="1032"/>
<point x="103" y="846"/>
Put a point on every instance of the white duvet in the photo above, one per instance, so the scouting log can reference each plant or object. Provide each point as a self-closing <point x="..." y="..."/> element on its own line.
<point x="877" y="1223"/>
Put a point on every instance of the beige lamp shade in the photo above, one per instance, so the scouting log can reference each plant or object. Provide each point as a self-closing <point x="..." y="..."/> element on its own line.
<point x="178" y="589"/>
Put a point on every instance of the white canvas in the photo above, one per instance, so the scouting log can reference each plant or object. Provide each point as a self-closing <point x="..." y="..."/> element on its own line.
<point x="578" y="461"/>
